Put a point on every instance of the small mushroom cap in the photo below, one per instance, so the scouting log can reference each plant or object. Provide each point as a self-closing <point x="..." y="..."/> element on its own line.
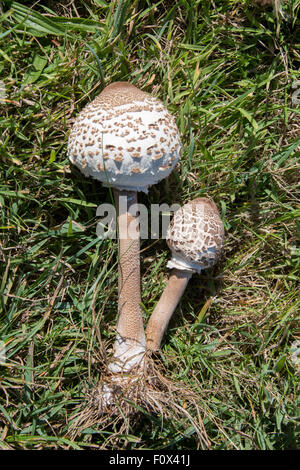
<point x="125" y="138"/>
<point x="195" y="236"/>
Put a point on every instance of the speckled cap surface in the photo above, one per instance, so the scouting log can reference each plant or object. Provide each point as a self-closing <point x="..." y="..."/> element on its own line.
<point x="195" y="236"/>
<point x="125" y="138"/>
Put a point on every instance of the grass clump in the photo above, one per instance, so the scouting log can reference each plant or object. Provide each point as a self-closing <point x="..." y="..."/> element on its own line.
<point x="229" y="72"/>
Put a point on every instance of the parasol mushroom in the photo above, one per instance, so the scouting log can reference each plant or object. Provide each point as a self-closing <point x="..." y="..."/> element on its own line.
<point x="195" y="237"/>
<point x="128" y="140"/>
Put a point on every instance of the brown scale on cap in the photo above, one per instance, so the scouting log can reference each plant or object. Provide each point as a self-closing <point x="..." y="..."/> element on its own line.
<point x="113" y="95"/>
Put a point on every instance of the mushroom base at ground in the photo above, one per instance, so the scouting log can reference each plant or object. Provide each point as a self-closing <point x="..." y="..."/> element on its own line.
<point x="120" y="400"/>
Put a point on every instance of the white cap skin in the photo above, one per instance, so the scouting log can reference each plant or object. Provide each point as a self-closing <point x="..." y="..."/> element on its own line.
<point x="195" y="236"/>
<point x="125" y="138"/>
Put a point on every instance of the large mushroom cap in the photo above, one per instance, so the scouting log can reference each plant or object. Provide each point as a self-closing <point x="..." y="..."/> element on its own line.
<point x="195" y="236"/>
<point x="125" y="138"/>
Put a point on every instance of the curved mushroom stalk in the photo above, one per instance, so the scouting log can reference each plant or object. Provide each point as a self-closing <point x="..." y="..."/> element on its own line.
<point x="195" y="237"/>
<point x="165" y="308"/>
<point x="130" y="343"/>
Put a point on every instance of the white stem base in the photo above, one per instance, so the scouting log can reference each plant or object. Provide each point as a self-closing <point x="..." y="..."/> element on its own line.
<point x="128" y="354"/>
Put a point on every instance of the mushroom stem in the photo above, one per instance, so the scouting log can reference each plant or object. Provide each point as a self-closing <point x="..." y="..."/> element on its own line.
<point x="165" y="307"/>
<point x="130" y="344"/>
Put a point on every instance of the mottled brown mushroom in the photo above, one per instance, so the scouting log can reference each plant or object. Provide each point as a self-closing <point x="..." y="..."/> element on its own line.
<point x="195" y="237"/>
<point x="116" y="139"/>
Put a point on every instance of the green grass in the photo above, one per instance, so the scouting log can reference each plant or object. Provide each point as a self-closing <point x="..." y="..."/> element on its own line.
<point x="225" y="69"/>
